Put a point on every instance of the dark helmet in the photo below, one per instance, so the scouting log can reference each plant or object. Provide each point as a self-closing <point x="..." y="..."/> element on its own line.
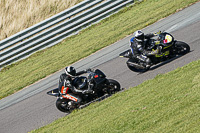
<point x="71" y="71"/>
<point x="139" y="36"/>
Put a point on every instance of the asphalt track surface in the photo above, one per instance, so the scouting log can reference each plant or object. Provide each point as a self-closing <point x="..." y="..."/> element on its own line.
<point x="32" y="108"/>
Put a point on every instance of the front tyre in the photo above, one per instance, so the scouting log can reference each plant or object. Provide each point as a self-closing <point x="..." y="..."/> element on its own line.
<point x="182" y="48"/>
<point x="113" y="86"/>
<point x="62" y="105"/>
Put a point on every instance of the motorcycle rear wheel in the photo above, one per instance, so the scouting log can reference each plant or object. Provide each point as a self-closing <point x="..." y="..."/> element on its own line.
<point x="136" y="67"/>
<point x="62" y="105"/>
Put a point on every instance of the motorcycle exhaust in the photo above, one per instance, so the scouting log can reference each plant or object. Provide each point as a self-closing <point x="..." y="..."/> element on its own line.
<point x="137" y="66"/>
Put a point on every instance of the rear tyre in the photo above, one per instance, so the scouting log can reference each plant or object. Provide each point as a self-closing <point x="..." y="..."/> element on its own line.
<point x="182" y="48"/>
<point x="136" y="68"/>
<point x="62" y="105"/>
<point x="113" y="86"/>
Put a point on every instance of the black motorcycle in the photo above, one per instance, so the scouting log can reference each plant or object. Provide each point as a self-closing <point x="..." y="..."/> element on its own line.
<point x="170" y="48"/>
<point x="102" y="88"/>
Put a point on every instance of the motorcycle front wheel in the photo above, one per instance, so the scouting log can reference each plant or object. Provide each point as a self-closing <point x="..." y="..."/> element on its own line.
<point x="113" y="86"/>
<point x="182" y="48"/>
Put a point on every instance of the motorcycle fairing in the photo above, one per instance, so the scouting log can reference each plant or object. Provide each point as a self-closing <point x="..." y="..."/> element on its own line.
<point x="99" y="77"/>
<point x="64" y="90"/>
<point x="168" y="39"/>
<point x="100" y="73"/>
<point x="163" y="54"/>
<point x="67" y="96"/>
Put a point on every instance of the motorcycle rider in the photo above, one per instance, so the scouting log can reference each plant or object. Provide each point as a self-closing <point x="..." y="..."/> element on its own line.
<point x="138" y="44"/>
<point x="68" y="82"/>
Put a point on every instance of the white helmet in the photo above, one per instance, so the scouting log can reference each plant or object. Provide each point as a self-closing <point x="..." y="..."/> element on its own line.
<point x="71" y="71"/>
<point x="139" y="35"/>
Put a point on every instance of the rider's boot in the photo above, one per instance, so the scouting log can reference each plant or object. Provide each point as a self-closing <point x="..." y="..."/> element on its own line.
<point x="128" y="54"/>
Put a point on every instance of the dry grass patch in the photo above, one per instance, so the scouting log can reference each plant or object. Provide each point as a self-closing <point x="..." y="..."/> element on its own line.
<point x="17" y="15"/>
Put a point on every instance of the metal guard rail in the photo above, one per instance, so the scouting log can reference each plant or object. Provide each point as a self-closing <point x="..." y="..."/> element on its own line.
<point x="56" y="28"/>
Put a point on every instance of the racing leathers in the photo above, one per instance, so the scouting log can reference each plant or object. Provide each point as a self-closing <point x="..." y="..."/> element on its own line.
<point x="73" y="87"/>
<point x="138" y="49"/>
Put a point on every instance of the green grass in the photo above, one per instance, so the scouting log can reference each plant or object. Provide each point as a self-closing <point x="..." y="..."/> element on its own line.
<point x="169" y="103"/>
<point x="48" y="61"/>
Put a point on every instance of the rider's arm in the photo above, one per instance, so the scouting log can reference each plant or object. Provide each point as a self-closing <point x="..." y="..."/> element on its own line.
<point x="146" y="52"/>
<point x="150" y="35"/>
<point x="154" y="52"/>
<point x="74" y="90"/>
<point x="81" y="72"/>
<point x="78" y="91"/>
<point x="71" y="87"/>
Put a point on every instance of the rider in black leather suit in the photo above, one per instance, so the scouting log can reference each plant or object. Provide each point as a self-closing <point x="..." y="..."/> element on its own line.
<point x="69" y="81"/>
<point x="138" y="44"/>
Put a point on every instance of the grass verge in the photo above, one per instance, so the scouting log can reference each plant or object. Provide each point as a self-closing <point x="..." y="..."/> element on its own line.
<point x="168" y="103"/>
<point x="48" y="61"/>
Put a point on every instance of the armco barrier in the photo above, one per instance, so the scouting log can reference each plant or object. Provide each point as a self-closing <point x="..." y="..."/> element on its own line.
<point x="55" y="29"/>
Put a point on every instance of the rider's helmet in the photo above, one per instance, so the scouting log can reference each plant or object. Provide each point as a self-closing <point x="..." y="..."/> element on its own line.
<point x="139" y="36"/>
<point x="71" y="71"/>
